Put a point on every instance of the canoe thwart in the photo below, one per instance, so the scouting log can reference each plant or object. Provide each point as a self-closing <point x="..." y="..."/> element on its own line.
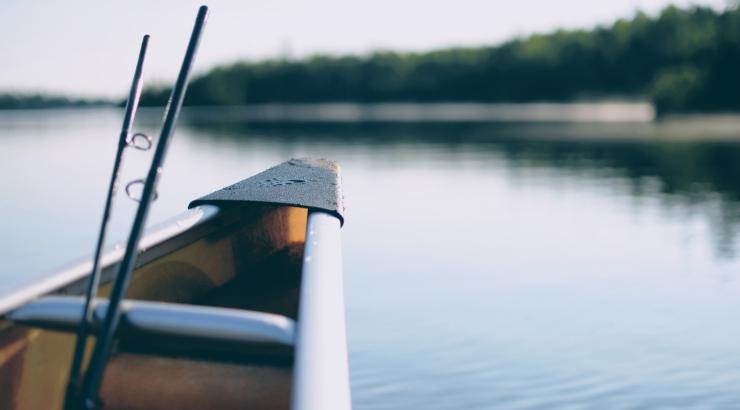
<point x="307" y="183"/>
<point x="204" y="323"/>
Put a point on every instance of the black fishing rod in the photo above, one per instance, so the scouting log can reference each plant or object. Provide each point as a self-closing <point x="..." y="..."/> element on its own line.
<point x="104" y="341"/>
<point x="125" y="140"/>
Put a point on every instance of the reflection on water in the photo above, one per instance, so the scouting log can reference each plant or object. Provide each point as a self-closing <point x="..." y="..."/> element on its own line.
<point x="687" y="175"/>
<point x="487" y="265"/>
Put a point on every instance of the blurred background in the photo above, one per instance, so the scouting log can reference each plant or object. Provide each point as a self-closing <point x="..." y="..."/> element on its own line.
<point x="543" y="197"/>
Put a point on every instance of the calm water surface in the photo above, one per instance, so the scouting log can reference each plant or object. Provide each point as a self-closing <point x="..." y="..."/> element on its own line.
<point x="514" y="266"/>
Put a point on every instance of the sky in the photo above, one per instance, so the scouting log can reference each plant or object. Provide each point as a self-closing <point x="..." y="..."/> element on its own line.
<point x="88" y="48"/>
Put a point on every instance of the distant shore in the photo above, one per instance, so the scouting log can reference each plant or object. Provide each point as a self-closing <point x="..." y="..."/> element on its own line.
<point x="596" y="111"/>
<point x="684" y="60"/>
<point x="18" y="101"/>
<point x="607" y="111"/>
<point x="581" y="121"/>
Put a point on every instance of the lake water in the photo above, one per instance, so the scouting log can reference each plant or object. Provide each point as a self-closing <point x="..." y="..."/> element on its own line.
<point x="488" y="265"/>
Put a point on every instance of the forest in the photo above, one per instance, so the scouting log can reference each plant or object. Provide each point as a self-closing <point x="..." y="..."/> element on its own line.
<point x="682" y="59"/>
<point x="18" y="101"/>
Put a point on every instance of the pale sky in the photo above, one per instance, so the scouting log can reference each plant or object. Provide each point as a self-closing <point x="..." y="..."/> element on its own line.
<point x="88" y="48"/>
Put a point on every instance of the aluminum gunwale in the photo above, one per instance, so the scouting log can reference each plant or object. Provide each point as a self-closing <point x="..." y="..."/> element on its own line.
<point x="70" y="275"/>
<point x="321" y="368"/>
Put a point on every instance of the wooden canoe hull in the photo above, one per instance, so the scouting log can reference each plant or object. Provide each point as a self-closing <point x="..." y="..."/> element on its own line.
<point x="240" y="305"/>
<point x="249" y="259"/>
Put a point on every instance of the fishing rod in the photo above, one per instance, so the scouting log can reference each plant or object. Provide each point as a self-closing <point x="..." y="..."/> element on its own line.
<point x="101" y="353"/>
<point x="138" y="141"/>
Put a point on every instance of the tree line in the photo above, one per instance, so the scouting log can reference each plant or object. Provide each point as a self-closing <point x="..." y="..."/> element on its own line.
<point x="15" y="101"/>
<point x="682" y="59"/>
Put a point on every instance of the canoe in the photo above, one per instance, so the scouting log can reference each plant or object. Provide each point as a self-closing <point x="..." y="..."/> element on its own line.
<point x="236" y="303"/>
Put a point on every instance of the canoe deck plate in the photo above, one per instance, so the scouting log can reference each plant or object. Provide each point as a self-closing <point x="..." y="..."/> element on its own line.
<point x="306" y="183"/>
